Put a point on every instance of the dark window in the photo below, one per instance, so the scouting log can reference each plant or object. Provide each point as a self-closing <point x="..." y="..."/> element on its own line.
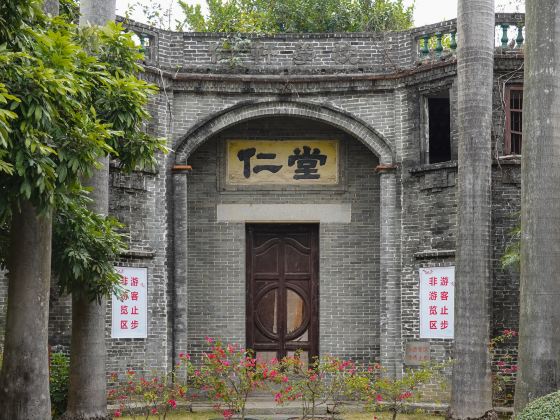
<point x="439" y="136"/>
<point x="514" y="120"/>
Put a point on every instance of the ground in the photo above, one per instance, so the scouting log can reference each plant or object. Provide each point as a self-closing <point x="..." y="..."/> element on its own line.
<point x="350" y="416"/>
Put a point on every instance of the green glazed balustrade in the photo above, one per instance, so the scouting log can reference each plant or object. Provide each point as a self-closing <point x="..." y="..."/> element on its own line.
<point x="439" y="41"/>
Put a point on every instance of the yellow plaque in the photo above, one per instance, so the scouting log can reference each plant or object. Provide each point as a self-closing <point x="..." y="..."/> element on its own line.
<point x="282" y="162"/>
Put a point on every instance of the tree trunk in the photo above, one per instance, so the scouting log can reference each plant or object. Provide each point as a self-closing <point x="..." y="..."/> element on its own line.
<point x="24" y="381"/>
<point x="539" y="323"/>
<point x="87" y="397"/>
<point x="472" y="385"/>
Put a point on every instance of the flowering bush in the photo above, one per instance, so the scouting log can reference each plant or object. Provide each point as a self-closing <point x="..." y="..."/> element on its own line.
<point x="504" y="371"/>
<point x="228" y="375"/>
<point x="325" y="381"/>
<point x="383" y="391"/>
<point x="153" y="396"/>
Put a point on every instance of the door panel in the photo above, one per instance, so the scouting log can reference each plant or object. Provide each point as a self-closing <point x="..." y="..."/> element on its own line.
<point x="282" y="289"/>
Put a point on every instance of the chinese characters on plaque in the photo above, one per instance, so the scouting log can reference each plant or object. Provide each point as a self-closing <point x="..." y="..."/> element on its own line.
<point x="130" y="310"/>
<point x="437" y="298"/>
<point x="294" y="162"/>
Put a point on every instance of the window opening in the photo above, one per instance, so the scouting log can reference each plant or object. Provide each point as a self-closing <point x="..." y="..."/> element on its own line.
<point x="439" y="121"/>
<point x="436" y="127"/>
<point x="513" y="135"/>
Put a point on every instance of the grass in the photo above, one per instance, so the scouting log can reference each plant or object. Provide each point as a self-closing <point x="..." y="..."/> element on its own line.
<point x="350" y="416"/>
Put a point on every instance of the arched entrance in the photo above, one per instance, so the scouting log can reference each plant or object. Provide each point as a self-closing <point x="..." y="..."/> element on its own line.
<point x="356" y="233"/>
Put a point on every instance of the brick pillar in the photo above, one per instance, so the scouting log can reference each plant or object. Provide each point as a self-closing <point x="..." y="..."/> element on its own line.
<point x="180" y="254"/>
<point x="391" y="348"/>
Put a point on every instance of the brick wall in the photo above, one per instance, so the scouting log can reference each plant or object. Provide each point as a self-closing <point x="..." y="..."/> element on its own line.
<point x="196" y="111"/>
<point x="349" y="281"/>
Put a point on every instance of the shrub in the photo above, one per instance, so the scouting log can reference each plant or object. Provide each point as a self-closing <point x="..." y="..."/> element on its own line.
<point x="151" y="396"/>
<point x="325" y="381"/>
<point x="58" y="380"/>
<point x="383" y="392"/>
<point x="547" y="407"/>
<point x="228" y="375"/>
<point x="503" y="350"/>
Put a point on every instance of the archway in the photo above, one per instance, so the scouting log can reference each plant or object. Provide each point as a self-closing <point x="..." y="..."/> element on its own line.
<point x="390" y="342"/>
<point x="249" y="110"/>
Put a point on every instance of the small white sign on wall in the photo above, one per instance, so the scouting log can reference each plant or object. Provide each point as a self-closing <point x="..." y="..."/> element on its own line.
<point x="437" y="302"/>
<point x="130" y="310"/>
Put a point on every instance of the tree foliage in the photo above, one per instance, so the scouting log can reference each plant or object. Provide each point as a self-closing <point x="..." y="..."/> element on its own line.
<point x="68" y="97"/>
<point x="278" y="16"/>
<point x="85" y="245"/>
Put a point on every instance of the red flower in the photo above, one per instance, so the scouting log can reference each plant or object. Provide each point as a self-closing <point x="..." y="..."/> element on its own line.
<point x="405" y="395"/>
<point x="227" y="414"/>
<point x="154" y="410"/>
<point x="172" y="403"/>
<point x="117" y="413"/>
<point x="378" y="398"/>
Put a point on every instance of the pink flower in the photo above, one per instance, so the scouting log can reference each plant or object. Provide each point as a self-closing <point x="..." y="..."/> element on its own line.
<point x="405" y="395"/>
<point x="154" y="410"/>
<point x="278" y="397"/>
<point x="226" y="363"/>
<point x="513" y="368"/>
<point x="272" y="373"/>
<point x="172" y="403"/>
<point x="117" y="413"/>
<point x="209" y="340"/>
<point x="227" y="414"/>
<point x="378" y="398"/>
<point x="501" y="363"/>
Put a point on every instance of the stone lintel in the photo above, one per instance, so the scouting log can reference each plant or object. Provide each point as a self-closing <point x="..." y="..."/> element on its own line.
<point x="321" y="213"/>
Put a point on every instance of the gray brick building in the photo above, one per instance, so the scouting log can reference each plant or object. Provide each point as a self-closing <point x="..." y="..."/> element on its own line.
<point x="389" y="105"/>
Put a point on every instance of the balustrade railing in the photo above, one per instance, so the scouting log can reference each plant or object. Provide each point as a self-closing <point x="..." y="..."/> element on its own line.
<point x="440" y="41"/>
<point x="510" y="33"/>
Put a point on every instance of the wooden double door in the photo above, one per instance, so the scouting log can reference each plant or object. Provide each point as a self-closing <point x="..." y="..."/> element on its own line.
<point x="282" y="289"/>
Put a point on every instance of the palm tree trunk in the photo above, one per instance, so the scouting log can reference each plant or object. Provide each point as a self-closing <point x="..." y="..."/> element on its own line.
<point x="24" y="381"/>
<point x="472" y="387"/>
<point x="539" y="323"/>
<point x="87" y="397"/>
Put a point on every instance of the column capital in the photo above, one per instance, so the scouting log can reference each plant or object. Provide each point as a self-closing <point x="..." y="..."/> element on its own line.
<point x="181" y="169"/>
<point x="384" y="168"/>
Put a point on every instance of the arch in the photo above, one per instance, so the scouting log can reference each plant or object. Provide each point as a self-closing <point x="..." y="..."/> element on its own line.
<point x="249" y="110"/>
